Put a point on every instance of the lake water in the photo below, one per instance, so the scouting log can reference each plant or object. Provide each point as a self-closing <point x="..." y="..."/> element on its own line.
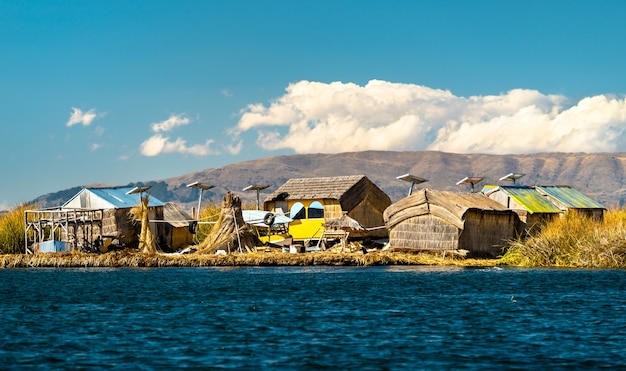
<point x="373" y="318"/>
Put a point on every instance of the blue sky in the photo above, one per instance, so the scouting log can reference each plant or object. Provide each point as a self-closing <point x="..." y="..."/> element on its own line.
<point x="124" y="91"/>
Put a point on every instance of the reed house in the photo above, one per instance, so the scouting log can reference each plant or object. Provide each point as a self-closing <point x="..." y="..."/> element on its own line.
<point x="431" y="220"/>
<point x="310" y="202"/>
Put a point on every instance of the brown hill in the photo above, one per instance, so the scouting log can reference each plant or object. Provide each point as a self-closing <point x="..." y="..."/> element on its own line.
<point x="599" y="175"/>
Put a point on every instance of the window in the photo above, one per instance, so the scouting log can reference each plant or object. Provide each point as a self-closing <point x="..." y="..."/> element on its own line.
<point x="316" y="210"/>
<point x="297" y="211"/>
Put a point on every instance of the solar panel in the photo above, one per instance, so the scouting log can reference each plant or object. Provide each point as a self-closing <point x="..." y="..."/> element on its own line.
<point x="471" y="180"/>
<point x="512" y="177"/>
<point x="411" y="179"/>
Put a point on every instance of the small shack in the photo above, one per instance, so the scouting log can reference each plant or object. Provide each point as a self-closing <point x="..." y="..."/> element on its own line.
<point x="533" y="209"/>
<point x="116" y="224"/>
<point x="178" y="232"/>
<point x="570" y="199"/>
<point x="310" y="202"/>
<point x="432" y="220"/>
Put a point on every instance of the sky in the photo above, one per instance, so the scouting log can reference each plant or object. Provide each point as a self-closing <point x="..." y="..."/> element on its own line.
<point x="128" y="91"/>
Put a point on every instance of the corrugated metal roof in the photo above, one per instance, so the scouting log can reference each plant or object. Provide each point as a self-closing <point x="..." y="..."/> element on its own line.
<point x="175" y="216"/>
<point x="107" y="198"/>
<point x="119" y="199"/>
<point x="570" y="197"/>
<point x="530" y="199"/>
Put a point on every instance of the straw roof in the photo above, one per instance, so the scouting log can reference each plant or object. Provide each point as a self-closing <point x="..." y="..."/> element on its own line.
<point x="345" y="223"/>
<point x="450" y="206"/>
<point x="348" y="190"/>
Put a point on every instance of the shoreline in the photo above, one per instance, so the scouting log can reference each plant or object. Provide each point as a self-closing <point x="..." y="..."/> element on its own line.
<point x="132" y="259"/>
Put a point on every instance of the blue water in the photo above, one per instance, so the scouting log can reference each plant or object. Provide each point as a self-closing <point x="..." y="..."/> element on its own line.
<point x="373" y="318"/>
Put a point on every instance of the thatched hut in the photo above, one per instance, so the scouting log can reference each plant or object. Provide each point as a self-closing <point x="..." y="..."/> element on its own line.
<point x="116" y="223"/>
<point x="178" y="233"/>
<point x="569" y="199"/>
<point x="441" y="221"/>
<point x="312" y="201"/>
<point x="533" y="209"/>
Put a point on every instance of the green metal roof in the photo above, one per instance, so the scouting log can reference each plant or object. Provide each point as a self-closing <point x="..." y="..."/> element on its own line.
<point x="530" y="199"/>
<point x="570" y="197"/>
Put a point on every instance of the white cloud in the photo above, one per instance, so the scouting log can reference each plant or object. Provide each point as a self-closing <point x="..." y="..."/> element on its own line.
<point x="339" y="117"/>
<point x="169" y="124"/>
<point x="85" y="118"/>
<point x="95" y="146"/>
<point x="158" y="144"/>
<point x="234" y="149"/>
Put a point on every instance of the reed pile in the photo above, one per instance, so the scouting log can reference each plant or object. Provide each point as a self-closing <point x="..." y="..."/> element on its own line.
<point x="133" y="259"/>
<point x="573" y="241"/>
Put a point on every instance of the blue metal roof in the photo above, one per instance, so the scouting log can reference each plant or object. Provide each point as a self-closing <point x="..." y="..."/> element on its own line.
<point x="119" y="199"/>
<point x="530" y="199"/>
<point x="570" y="197"/>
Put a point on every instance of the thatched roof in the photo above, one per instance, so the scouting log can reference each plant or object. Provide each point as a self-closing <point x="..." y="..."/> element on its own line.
<point x="175" y="216"/>
<point x="450" y="206"/>
<point x="348" y="190"/>
<point x="345" y="223"/>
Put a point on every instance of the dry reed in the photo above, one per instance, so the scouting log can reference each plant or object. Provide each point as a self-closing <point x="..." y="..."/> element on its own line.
<point x="12" y="230"/>
<point x="133" y="259"/>
<point x="573" y="241"/>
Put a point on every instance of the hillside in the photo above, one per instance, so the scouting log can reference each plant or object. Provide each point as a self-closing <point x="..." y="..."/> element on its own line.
<point x="599" y="175"/>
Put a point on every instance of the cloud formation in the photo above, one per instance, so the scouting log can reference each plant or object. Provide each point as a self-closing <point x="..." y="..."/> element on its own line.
<point x="169" y="124"/>
<point x="85" y="118"/>
<point x="316" y="117"/>
<point x="160" y="144"/>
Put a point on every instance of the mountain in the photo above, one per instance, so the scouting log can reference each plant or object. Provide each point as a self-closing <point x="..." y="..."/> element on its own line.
<point x="599" y="175"/>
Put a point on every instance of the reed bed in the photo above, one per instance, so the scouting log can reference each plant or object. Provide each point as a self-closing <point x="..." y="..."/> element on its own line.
<point x="133" y="259"/>
<point x="12" y="230"/>
<point x="573" y="241"/>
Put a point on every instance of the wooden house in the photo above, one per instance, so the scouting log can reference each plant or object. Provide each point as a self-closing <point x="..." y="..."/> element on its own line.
<point x="569" y="199"/>
<point x="533" y="209"/>
<point x="310" y="202"/>
<point x="440" y="220"/>
<point x="116" y="224"/>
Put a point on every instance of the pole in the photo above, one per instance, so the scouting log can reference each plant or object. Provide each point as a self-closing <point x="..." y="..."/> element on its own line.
<point x="199" y="202"/>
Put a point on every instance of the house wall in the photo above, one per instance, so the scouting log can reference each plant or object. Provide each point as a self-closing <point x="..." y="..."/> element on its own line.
<point x="424" y="232"/>
<point x="486" y="233"/>
<point x="369" y="217"/>
<point x="304" y="229"/>
<point x="178" y="237"/>
<point x="595" y="214"/>
<point x="503" y="199"/>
